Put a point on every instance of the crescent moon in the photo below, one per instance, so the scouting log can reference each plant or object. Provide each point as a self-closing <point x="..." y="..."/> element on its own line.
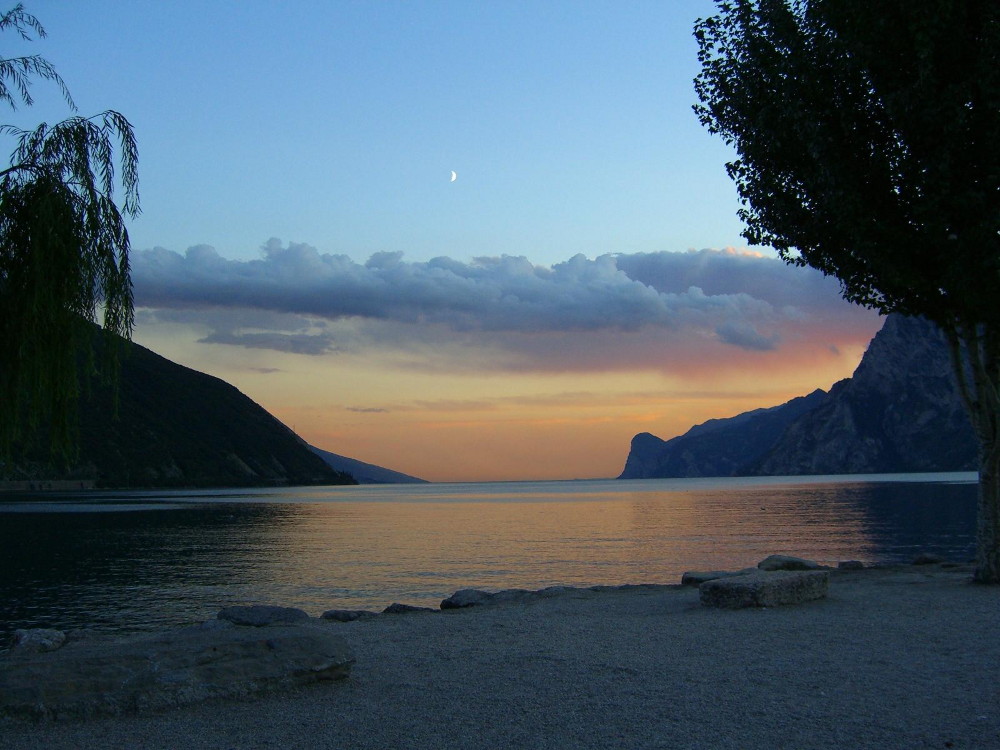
<point x="454" y="176"/>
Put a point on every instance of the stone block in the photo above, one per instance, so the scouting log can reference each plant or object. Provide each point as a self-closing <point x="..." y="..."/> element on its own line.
<point x="764" y="589"/>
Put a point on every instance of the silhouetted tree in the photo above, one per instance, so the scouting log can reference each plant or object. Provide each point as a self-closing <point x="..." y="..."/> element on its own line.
<point x="63" y="250"/>
<point x="868" y="146"/>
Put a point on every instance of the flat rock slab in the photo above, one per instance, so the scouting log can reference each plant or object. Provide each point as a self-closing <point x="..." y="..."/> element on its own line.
<point x="258" y="615"/>
<point x="926" y="558"/>
<point x="348" y="615"/>
<point x="764" y="589"/>
<point x="396" y="608"/>
<point x="476" y="597"/>
<point x="168" y="669"/>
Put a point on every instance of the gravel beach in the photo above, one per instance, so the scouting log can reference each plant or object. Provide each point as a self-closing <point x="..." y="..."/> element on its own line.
<point x="904" y="657"/>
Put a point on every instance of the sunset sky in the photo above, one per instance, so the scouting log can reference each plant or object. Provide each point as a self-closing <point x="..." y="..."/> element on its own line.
<point x="583" y="279"/>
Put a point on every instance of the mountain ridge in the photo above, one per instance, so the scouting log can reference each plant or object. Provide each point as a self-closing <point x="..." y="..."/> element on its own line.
<point x="719" y="447"/>
<point x="899" y="412"/>
<point x="175" y="427"/>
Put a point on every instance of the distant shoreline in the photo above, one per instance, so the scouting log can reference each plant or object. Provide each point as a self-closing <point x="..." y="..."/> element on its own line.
<point x="90" y="485"/>
<point x="46" y="485"/>
<point x="71" y="485"/>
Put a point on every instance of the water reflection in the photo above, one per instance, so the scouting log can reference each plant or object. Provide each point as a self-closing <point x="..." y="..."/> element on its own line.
<point x="104" y="569"/>
<point x="145" y="560"/>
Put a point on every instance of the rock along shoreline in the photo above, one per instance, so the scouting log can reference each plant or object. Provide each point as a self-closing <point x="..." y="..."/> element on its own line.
<point x="257" y="649"/>
<point x="892" y="656"/>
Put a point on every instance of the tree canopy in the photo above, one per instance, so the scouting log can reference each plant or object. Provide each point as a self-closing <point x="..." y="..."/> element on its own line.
<point x="867" y="139"/>
<point x="868" y="146"/>
<point x="64" y="248"/>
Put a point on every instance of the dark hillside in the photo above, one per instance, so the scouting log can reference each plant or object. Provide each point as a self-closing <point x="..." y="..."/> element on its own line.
<point x="176" y="427"/>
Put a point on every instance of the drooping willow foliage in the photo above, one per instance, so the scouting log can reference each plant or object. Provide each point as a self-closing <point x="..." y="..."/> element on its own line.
<point x="64" y="253"/>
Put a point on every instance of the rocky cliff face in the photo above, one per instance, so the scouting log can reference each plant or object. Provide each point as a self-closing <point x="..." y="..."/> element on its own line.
<point x="899" y="412"/>
<point x="717" y="448"/>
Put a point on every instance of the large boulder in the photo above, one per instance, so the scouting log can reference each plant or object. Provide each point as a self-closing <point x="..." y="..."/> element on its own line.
<point x="764" y="589"/>
<point x="168" y="669"/>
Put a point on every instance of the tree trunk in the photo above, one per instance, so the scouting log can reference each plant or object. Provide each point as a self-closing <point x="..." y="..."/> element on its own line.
<point x="988" y="517"/>
<point x="975" y="352"/>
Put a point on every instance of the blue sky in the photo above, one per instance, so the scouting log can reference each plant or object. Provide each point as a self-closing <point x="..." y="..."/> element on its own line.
<point x="582" y="280"/>
<point x="338" y="124"/>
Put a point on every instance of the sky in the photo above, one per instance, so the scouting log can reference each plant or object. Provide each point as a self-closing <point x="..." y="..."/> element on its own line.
<point x="581" y="280"/>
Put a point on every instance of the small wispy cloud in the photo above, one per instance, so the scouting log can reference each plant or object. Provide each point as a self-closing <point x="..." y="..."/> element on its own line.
<point x="739" y="333"/>
<point x="294" y="343"/>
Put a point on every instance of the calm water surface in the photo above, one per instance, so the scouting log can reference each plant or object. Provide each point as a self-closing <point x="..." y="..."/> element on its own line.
<point x="143" y="560"/>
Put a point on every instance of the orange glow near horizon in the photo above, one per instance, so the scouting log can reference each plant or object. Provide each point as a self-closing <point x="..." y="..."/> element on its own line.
<point x="451" y="426"/>
<point x="514" y="441"/>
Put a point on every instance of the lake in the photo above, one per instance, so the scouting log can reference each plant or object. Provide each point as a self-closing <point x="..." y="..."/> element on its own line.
<point x="136" y="561"/>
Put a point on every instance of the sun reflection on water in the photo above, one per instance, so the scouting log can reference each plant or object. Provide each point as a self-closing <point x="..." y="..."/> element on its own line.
<point x="184" y="556"/>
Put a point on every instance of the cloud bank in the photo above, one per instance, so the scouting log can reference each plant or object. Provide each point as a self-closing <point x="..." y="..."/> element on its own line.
<point x="296" y="299"/>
